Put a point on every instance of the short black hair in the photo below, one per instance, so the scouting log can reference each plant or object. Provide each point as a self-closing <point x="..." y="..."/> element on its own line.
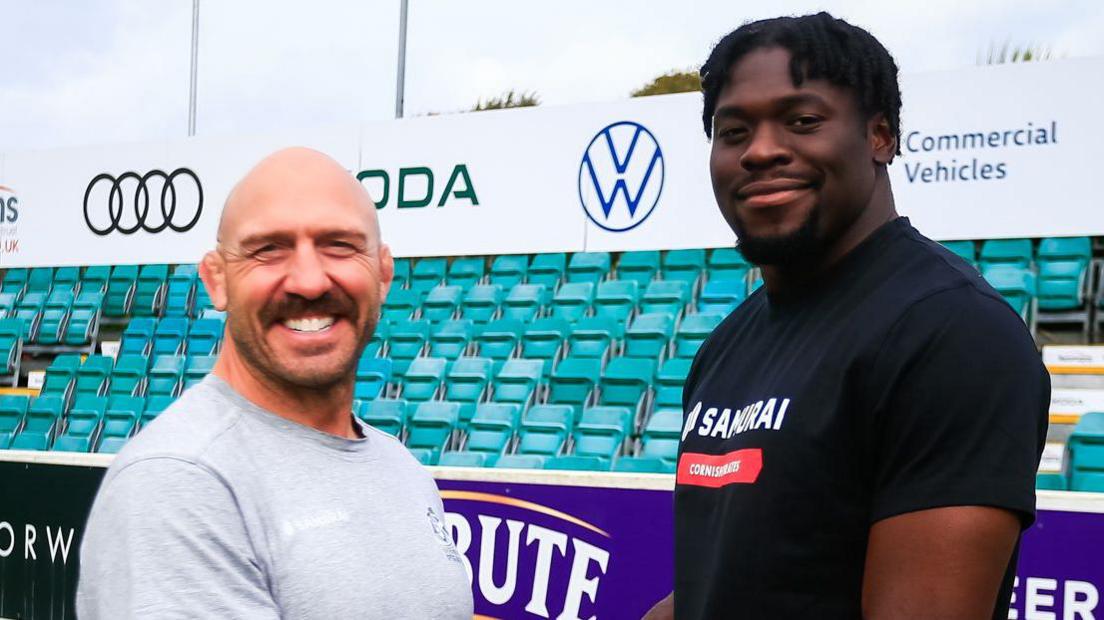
<point x="821" y="47"/>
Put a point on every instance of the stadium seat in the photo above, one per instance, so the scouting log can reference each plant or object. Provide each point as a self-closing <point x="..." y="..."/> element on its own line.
<point x="670" y="296"/>
<point x="693" y="331"/>
<point x="665" y="424"/>
<point x="196" y="367"/>
<point x="442" y="303"/>
<point x="727" y="264"/>
<point x="432" y="427"/>
<point x="170" y="335"/>
<point x="548" y="269"/>
<point x="385" y="414"/>
<point x="155" y="405"/>
<point x="649" y="335"/>
<point x="517" y="381"/>
<point x="964" y="250"/>
<point x="481" y="303"/>
<point x="372" y="376"/>
<point x="402" y="273"/>
<point x="466" y="272"/>
<point x="149" y="291"/>
<point x="423" y="379"/>
<point x="61" y="376"/>
<point x="425" y="456"/>
<point x="643" y="465"/>
<point x="625" y="382"/>
<point x="639" y="267"/>
<point x="406" y="341"/>
<point x="95" y="278"/>
<point x="55" y="317"/>
<point x="465" y="459"/>
<point x="1051" y="481"/>
<point x="617" y="300"/>
<point x="82" y="427"/>
<point x="84" y="321"/>
<point x="40" y="280"/>
<point x="11" y="348"/>
<point x="592" y="337"/>
<point x="572" y="302"/>
<point x="7" y="305"/>
<point x="450" y="339"/>
<point x="13" y="412"/>
<point x="67" y="279"/>
<point x="378" y="342"/>
<point x="508" y="271"/>
<point x="1086" y="453"/>
<point x="120" y="422"/>
<point x="30" y="311"/>
<point x="588" y="267"/>
<point x="466" y="383"/>
<point x="520" y="461"/>
<point x="165" y="376"/>
<point x="721" y="296"/>
<point x="543" y="340"/>
<point x="684" y="266"/>
<point x="138" y="337"/>
<point x="545" y="429"/>
<point x="204" y="337"/>
<point x="128" y="378"/>
<point x="1064" y="274"/>
<point x="526" y="302"/>
<point x="578" y="462"/>
<point x="180" y="296"/>
<point x="602" y="431"/>
<point x="94" y="375"/>
<point x="498" y="340"/>
<point x="492" y="429"/>
<point x="401" y="304"/>
<point x="669" y="381"/>
<point x="573" y="383"/>
<point x="1016" y="285"/>
<point x="665" y="448"/>
<point x="1007" y="252"/>
<point x="15" y="282"/>
<point x="41" y="424"/>
<point x="428" y="273"/>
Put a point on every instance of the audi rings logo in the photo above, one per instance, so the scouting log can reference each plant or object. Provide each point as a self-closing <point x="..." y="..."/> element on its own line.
<point x="123" y="203"/>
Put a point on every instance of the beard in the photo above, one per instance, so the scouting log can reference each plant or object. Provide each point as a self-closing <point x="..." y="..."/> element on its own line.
<point x="801" y="246"/>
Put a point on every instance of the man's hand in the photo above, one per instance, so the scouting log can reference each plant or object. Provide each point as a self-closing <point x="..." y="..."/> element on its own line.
<point x="663" y="610"/>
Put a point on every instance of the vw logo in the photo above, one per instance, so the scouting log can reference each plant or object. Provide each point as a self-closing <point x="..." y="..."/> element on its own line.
<point x="621" y="176"/>
<point x="122" y="203"/>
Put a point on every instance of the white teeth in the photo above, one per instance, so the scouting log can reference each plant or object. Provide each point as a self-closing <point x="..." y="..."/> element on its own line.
<point x="309" y="325"/>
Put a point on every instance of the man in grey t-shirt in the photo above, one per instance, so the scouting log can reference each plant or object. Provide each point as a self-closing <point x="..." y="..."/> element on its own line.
<point x="258" y="494"/>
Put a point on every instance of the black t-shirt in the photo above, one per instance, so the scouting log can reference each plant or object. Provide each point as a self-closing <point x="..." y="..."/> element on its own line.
<point x="901" y="381"/>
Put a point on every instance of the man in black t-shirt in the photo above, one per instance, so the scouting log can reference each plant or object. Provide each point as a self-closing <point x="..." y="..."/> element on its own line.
<point x="861" y="435"/>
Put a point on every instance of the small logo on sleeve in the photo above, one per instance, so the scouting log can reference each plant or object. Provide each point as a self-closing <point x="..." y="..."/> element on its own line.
<point x="718" y="470"/>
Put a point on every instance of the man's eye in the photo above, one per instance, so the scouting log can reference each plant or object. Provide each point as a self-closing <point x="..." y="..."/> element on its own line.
<point x="343" y="247"/>
<point x="806" y="121"/>
<point x="266" y="252"/>
<point x="733" y="133"/>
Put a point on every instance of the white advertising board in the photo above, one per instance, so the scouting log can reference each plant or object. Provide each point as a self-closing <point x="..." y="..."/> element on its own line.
<point x="988" y="152"/>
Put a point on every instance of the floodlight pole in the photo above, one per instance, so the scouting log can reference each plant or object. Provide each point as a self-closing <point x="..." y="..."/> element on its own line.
<point x="194" y="69"/>
<point x="401" y="70"/>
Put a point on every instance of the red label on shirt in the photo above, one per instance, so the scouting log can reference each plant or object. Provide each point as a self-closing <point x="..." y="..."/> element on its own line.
<point x="718" y="470"/>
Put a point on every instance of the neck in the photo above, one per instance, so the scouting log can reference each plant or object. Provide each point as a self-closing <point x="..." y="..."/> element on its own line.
<point x="879" y="210"/>
<point x="328" y="410"/>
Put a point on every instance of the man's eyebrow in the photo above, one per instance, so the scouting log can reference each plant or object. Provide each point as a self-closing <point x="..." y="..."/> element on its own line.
<point x="782" y="103"/>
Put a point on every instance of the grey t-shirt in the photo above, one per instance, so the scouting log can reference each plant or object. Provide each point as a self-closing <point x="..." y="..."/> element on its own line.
<point x="220" y="509"/>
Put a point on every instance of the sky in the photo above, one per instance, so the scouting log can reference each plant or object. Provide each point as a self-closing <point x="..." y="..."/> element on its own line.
<point x="110" y="71"/>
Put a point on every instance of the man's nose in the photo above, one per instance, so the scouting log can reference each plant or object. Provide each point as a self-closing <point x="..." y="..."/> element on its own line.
<point x="306" y="274"/>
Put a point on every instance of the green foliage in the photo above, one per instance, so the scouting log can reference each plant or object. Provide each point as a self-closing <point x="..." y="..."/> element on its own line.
<point x="999" y="55"/>
<point x="673" y="81"/>
<point x="510" y="99"/>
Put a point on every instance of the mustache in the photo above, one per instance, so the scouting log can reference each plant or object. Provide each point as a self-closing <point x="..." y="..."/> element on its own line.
<point x="334" y="303"/>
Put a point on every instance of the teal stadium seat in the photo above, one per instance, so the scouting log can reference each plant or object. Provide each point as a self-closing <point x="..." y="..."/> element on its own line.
<point x="11" y="348"/>
<point x="82" y="425"/>
<point x="196" y="367"/>
<point x="588" y="267"/>
<point x="432" y="427"/>
<point x="592" y="337"/>
<point x="572" y="302"/>
<point x="548" y="269"/>
<point x="180" y="295"/>
<point x="727" y="264"/>
<point x="402" y="273"/>
<point x="204" y="337"/>
<point x="84" y="321"/>
<point x="544" y="340"/>
<point x="155" y="405"/>
<point x="517" y="381"/>
<point x="166" y="375"/>
<point x="428" y="273"/>
<point x="128" y="378"/>
<point x="451" y="339"/>
<point x="30" y="311"/>
<point x="1007" y="252"/>
<point x="424" y="379"/>
<point x="442" y="303"/>
<point x="508" y="271"/>
<point x="407" y="340"/>
<point x="575" y="462"/>
<point x="684" y="266"/>
<point x="372" y="376"/>
<point x="385" y="414"/>
<point x="481" y="303"/>
<point x="13" y="412"/>
<point x="693" y="331"/>
<point x="466" y="272"/>
<point x="649" y="336"/>
<point x="964" y="250"/>
<point x="1016" y="285"/>
<point x="464" y="459"/>
<point x="721" y="296"/>
<point x="520" y="461"/>
<point x="41" y="424"/>
<point x="498" y="340"/>
<point x="1086" y="454"/>
<point x="573" y="383"/>
<point x="617" y="300"/>
<point x="149" y="291"/>
<point x="7" y="305"/>
<point x="120" y="422"/>
<point x="40" y="280"/>
<point x="670" y="296"/>
<point x="1063" y="273"/>
<point x="664" y="424"/>
<point x="401" y="304"/>
<point x="602" y="431"/>
<point x="639" y="267"/>
<point x="55" y="317"/>
<point x="94" y="376"/>
<point x="545" y="429"/>
<point x="67" y="279"/>
<point x="1051" y="481"/>
<point x="15" y="282"/>
<point x="665" y="448"/>
<point x="526" y="302"/>
<point x="138" y="337"/>
<point x="492" y="429"/>
<point x="626" y="382"/>
<point x="170" y="335"/>
<point x="61" y="376"/>
<point x="643" y="465"/>
<point x="377" y="344"/>
<point x="95" y="278"/>
<point x="669" y="381"/>
<point x="467" y="383"/>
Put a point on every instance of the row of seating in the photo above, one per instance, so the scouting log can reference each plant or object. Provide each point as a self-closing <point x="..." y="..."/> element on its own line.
<point x="174" y="335"/>
<point x="91" y="424"/>
<point x="69" y="378"/>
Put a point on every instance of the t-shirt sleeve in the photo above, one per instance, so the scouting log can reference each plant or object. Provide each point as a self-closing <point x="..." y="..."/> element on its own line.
<point x="165" y="539"/>
<point x="961" y="399"/>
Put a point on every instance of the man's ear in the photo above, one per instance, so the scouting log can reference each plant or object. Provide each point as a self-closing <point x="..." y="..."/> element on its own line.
<point x="212" y="270"/>
<point x="387" y="270"/>
<point x="883" y="141"/>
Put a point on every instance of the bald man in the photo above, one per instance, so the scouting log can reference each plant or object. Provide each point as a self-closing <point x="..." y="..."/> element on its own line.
<point x="258" y="494"/>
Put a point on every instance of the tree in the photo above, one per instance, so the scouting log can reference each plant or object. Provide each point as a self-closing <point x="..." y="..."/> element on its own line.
<point x="1020" y="53"/>
<point x="674" y="81"/>
<point x="510" y="99"/>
